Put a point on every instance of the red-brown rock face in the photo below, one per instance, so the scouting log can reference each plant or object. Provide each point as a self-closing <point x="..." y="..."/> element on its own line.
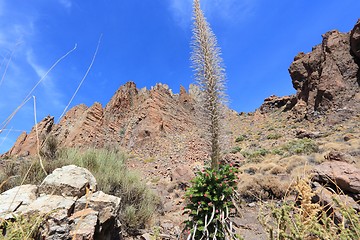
<point x="27" y="144"/>
<point x="355" y="40"/>
<point x="328" y="77"/>
<point x="146" y="121"/>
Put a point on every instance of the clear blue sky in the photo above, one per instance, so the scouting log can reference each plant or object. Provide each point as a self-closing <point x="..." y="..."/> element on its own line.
<point x="147" y="41"/>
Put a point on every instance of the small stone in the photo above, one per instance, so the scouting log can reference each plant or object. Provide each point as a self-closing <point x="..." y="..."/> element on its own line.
<point x="146" y="236"/>
<point x="348" y="137"/>
<point x="167" y="225"/>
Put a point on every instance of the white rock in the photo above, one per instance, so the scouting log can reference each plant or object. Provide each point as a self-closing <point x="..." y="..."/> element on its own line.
<point x="56" y="205"/>
<point x="84" y="226"/>
<point x="68" y="181"/>
<point x="16" y="199"/>
<point x="107" y="205"/>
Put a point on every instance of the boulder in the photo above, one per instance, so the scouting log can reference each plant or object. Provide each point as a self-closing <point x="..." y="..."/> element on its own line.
<point x="84" y="224"/>
<point x="106" y="204"/>
<point x="182" y="175"/>
<point x="339" y="156"/>
<point x="69" y="181"/>
<point x="333" y="202"/>
<point x="302" y="133"/>
<point x="108" y="207"/>
<point x="346" y="176"/>
<point x="16" y="199"/>
<point x="56" y="205"/>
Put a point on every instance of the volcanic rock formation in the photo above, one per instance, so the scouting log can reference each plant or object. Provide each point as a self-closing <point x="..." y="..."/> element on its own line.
<point x="138" y="120"/>
<point x="327" y="79"/>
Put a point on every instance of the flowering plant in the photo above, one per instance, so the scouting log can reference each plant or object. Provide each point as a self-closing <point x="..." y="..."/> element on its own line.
<point x="209" y="202"/>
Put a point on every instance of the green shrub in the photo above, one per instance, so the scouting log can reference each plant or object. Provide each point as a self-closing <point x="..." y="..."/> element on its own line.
<point x="235" y="149"/>
<point x="209" y="203"/>
<point x="258" y="153"/>
<point x="273" y="136"/>
<point x="278" y="151"/>
<point x="301" y="146"/>
<point x="240" y="138"/>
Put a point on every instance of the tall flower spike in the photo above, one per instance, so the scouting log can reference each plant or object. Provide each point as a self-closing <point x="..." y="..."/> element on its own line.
<point x="210" y="75"/>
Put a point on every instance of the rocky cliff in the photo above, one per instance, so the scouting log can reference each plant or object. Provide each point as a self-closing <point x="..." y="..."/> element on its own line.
<point x="326" y="80"/>
<point x="139" y="120"/>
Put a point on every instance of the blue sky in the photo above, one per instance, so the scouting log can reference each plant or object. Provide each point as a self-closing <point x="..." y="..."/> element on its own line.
<point x="147" y="41"/>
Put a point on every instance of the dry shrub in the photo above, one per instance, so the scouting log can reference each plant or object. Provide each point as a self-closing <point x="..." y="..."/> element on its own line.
<point x="303" y="219"/>
<point x="262" y="187"/>
<point x="290" y="163"/>
<point x="335" y="146"/>
<point x="50" y="147"/>
<point x="272" y="168"/>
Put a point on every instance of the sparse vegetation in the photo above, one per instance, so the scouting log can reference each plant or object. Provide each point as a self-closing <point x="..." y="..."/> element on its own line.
<point x="303" y="219"/>
<point x="301" y="146"/>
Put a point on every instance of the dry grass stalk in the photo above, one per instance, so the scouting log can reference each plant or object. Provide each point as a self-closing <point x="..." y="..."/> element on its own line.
<point x="83" y="79"/>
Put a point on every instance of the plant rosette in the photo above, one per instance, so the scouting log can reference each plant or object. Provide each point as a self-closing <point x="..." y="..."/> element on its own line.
<point x="209" y="202"/>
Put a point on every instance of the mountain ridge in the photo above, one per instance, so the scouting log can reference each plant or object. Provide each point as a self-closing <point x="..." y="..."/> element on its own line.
<point x="327" y="81"/>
